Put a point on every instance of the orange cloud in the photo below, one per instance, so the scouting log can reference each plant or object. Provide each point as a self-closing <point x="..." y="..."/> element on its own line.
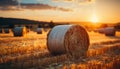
<point x="75" y="0"/>
<point x="13" y="5"/>
<point x="43" y="7"/>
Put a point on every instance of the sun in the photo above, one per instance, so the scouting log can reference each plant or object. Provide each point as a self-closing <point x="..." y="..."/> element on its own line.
<point x="94" y="19"/>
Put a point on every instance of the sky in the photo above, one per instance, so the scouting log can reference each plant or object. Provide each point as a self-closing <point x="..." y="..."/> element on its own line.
<point x="107" y="11"/>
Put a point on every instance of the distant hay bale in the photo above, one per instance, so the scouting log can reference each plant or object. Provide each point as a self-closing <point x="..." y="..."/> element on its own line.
<point x="39" y="30"/>
<point x="101" y="30"/>
<point x="46" y="29"/>
<point x="20" y="31"/>
<point x="110" y="31"/>
<point x="6" y="30"/>
<point x="96" y="30"/>
<point x="71" y="39"/>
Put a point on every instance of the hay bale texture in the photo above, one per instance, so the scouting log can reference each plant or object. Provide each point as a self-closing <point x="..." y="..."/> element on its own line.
<point x="110" y="31"/>
<point x="70" y="39"/>
<point x="20" y="31"/>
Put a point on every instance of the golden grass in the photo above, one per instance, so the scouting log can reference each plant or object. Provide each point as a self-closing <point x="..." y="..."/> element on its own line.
<point x="25" y="46"/>
<point x="31" y="52"/>
<point x="94" y="64"/>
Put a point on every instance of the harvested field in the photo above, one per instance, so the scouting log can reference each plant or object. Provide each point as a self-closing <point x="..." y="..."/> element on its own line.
<point x="31" y="53"/>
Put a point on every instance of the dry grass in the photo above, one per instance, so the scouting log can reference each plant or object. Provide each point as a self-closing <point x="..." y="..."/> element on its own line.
<point x="31" y="53"/>
<point x="94" y="64"/>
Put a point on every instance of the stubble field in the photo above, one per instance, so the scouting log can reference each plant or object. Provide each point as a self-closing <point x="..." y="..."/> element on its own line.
<point x="31" y="53"/>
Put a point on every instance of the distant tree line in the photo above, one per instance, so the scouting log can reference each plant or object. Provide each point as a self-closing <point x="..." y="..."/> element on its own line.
<point x="11" y="22"/>
<point x="117" y="26"/>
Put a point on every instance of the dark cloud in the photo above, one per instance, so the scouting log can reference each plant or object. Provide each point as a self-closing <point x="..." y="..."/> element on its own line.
<point x="42" y="7"/>
<point x="9" y="8"/>
<point x="63" y="9"/>
<point x="8" y="2"/>
<point x="12" y="5"/>
<point x="8" y="5"/>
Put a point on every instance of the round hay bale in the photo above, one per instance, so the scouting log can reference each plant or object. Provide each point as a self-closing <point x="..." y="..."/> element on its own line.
<point x="6" y="30"/>
<point x="46" y="29"/>
<point x="110" y="31"/>
<point x="70" y="39"/>
<point x="20" y="31"/>
<point x="101" y="30"/>
<point x="39" y="30"/>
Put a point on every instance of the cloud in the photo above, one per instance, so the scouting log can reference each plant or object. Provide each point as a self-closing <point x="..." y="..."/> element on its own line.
<point x="63" y="9"/>
<point x="83" y="2"/>
<point x="9" y="8"/>
<point x="8" y="2"/>
<point x="42" y="7"/>
<point x="63" y="0"/>
<point x="8" y="5"/>
<point x="74" y="0"/>
<point x="13" y="5"/>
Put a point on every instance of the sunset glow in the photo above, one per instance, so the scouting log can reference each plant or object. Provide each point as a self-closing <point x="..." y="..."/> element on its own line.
<point x="94" y="19"/>
<point x="63" y="10"/>
<point x="59" y="34"/>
